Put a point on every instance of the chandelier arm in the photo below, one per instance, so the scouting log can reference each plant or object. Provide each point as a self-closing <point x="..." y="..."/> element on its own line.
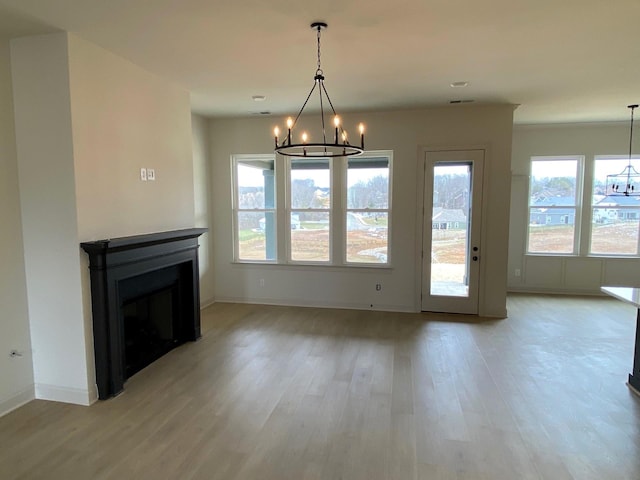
<point x="328" y="98"/>
<point x="331" y="105"/>
<point x="324" y="132"/>
<point x="303" y="105"/>
<point x="628" y="187"/>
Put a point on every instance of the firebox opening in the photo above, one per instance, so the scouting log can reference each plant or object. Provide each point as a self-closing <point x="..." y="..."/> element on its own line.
<point x="151" y="328"/>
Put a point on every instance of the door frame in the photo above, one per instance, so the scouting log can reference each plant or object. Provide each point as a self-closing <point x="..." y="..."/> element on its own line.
<point x="420" y="191"/>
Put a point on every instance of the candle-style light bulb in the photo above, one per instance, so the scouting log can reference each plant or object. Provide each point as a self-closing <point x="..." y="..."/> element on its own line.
<point x="344" y="137"/>
<point x="289" y="125"/>
<point x="336" y="122"/>
<point x="361" y="128"/>
<point x="304" y="137"/>
<point x="276" y="132"/>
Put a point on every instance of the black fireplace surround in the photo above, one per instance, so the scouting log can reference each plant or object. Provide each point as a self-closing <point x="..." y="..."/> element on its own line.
<point x="134" y="279"/>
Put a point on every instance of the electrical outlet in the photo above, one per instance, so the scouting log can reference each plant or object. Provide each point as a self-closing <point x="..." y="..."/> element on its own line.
<point x="378" y="287"/>
<point x="517" y="272"/>
<point x="143" y="174"/>
<point x="151" y="174"/>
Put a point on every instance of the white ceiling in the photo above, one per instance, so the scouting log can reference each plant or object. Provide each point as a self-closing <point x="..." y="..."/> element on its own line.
<point x="560" y="60"/>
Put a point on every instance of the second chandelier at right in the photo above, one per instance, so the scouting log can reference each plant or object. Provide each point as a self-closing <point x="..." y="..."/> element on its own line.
<point x="627" y="182"/>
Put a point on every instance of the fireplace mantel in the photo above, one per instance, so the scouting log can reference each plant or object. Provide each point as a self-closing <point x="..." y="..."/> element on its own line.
<point x="112" y="261"/>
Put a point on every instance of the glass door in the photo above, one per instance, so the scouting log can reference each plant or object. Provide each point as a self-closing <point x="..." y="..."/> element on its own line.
<point x="451" y="231"/>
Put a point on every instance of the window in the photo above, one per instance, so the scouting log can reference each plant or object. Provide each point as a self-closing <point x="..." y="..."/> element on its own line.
<point x="614" y="219"/>
<point x="330" y="211"/>
<point x="254" y="208"/>
<point x="367" y="213"/>
<point x="553" y="205"/>
<point x="310" y="199"/>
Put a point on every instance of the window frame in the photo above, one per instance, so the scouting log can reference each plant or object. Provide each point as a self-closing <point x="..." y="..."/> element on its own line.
<point x="388" y="155"/>
<point x="577" y="205"/>
<point x="585" y="207"/>
<point x="620" y="208"/>
<point x="283" y="209"/>
<point x="236" y="160"/>
<point x="289" y="211"/>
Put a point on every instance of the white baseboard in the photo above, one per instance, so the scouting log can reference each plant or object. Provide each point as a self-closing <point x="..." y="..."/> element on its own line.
<point x="64" y="394"/>
<point x="554" y="291"/>
<point x="207" y="303"/>
<point x="297" y="303"/>
<point x="15" y="401"/>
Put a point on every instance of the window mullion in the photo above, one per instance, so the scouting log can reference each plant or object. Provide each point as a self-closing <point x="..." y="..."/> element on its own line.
<point x="338" y="209"/>
<point x="282" y="202"/>
<point x="583" y="208"/>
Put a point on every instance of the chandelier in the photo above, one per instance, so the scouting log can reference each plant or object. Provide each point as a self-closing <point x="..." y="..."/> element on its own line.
<point x="337" y="144"/>
<point x="627" y="181"/>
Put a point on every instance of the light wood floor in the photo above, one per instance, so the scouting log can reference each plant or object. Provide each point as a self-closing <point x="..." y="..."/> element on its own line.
<point x="303" y="393"/>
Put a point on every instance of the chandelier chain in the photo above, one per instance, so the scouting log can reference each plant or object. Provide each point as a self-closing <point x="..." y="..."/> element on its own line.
<point x="632" y="107"/>
<point x="319" y="70"/>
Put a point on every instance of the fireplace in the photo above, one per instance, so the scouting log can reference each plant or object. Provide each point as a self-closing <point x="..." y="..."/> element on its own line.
<point x="145" y="301"/>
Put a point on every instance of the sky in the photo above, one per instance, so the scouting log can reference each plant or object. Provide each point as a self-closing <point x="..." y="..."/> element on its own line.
<point x="252" y="177"/>
<point x="604" y="165"/>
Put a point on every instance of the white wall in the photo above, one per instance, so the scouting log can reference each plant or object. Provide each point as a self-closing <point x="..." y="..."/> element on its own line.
<point x="16" y="374"/>
<point x="86" y="121"/>
<point x="125" y="118"/>
<point x="49" y="221"/>
<point x="203" y="206"/>
<point x="553" y="274"/>
<point x="404" y="132"/>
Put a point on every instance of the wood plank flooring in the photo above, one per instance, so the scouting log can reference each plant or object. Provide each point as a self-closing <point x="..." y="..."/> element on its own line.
<point x="303" y="393"/>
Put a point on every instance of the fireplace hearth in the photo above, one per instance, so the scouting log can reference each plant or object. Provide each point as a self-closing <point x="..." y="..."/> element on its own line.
<point x="145" y="301"/>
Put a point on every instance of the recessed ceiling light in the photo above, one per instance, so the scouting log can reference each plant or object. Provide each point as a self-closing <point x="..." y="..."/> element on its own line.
<point x="459" y="84"/>
<point x="258" y="98"/>
<point x="461" y="101"/>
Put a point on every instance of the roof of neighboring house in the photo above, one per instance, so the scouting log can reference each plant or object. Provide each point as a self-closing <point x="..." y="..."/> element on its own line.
<point x="553" y="211"/>
<point x="554" y="201"/>
<point x="448" y="215"/>
<point x="619" y="200"/>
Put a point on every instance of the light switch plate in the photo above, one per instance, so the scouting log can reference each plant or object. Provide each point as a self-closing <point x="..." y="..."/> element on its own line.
<point x="151" y="174"/>
<point x="143" y="174"/>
